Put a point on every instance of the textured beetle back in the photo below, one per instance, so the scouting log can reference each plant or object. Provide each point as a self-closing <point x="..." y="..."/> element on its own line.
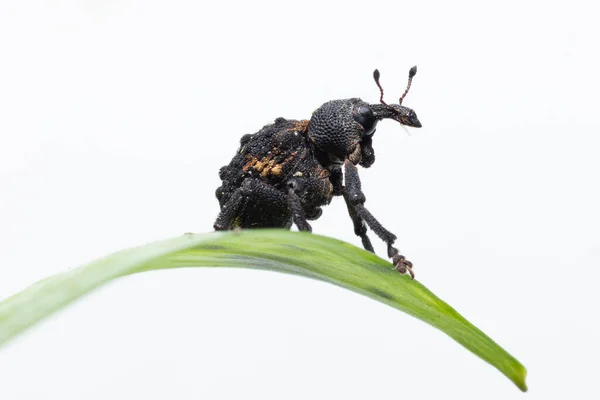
<point x="270" y="155"/>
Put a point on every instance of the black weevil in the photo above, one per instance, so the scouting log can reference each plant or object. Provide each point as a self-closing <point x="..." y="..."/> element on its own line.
<point x="288" y="170"/>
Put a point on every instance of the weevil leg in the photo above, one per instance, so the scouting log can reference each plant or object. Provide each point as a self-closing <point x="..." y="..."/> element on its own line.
<point x="360" y="229"/>
<point x="229" y="211"/>
<point x="254" y="205"/>
<point x="298" y="213"/>
<point x="354" y="195"/>
<point x="306" y="195"/>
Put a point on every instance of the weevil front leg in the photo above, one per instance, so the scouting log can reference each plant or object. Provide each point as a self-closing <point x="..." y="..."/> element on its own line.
<point x="360" y="229"/>
<point x="355" y="196"/>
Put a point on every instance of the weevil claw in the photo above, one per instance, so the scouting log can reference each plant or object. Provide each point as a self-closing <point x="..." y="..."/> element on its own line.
<point x="403" y="266"/>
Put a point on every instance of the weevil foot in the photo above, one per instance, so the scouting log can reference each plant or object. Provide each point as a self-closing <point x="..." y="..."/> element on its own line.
<point x="403" y="266"/>
<point x="400" y="262"/>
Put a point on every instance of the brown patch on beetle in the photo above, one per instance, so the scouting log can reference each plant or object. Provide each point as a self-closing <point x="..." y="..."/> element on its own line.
<point x="301" y="126"/>
<point x="277" y="170"/>
<point x="268" y="165"/>
<point x="256" y="164"/>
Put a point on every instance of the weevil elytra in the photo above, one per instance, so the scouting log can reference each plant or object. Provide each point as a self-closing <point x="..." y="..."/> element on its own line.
<point x="287" y="171"/>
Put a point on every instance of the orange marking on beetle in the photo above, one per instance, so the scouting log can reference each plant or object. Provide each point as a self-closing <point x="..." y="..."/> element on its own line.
<point x="301" y="126"/>
<point x="260" y="166"/>
<point x="250" y="163"/>
<point x="268" y="168"/>
<point x="268" y="165"/>
<point x="277" y="170"/>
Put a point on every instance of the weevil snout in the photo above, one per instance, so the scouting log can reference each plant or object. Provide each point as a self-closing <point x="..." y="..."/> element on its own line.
<point x="406" y="116"/>
<point x="412" y="120"/>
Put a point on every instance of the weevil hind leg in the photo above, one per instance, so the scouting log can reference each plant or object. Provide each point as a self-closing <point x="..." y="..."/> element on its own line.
<point x="254" y="205"/>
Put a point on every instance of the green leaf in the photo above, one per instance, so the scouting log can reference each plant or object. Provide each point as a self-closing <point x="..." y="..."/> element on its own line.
<point x="297" y="253"/>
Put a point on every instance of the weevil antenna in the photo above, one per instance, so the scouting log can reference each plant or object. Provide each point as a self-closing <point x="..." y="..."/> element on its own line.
<point x="376" y="77"/>
<point x="411" y="75"/>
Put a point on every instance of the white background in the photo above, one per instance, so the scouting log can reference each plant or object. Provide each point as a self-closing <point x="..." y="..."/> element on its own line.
<point x="115" y="117"/>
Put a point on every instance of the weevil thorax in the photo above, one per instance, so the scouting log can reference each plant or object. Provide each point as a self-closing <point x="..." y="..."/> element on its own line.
<point x="333" y="128"/>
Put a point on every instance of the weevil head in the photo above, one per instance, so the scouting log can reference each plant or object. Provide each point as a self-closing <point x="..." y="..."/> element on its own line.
<point x="342" y="128"/>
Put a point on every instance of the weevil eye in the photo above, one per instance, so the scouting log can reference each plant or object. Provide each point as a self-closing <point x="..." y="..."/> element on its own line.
<point x="364" y="116"/>
<point x="365" y="111"/>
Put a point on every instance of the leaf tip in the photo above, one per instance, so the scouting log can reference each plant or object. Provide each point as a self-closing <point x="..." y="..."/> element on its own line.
<point x="520" y="378"/>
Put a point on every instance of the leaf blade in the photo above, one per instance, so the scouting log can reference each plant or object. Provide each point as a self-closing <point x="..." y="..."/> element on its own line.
<point x="298" y="253"/>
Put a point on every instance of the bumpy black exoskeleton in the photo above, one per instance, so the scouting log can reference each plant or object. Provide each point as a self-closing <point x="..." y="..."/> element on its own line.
<point x="288" y="170"/>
